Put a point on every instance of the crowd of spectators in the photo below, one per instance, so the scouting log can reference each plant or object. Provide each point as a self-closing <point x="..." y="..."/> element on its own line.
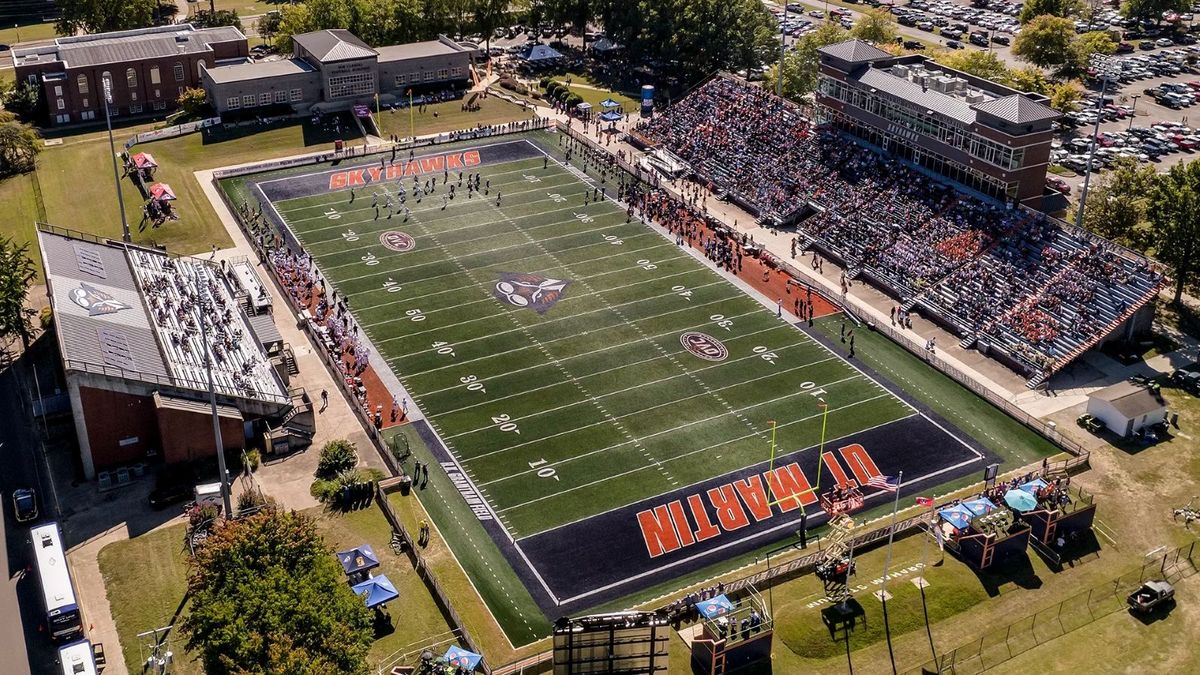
<point x="1029" y="285"/>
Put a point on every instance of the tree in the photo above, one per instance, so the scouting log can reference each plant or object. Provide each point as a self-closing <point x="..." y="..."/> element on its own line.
<point x="336" y="456"/>
<point x="1082" y="50"/>
<point x="1035" y="8"/>
<point x="206" y="18"/>
<point x="1065" y="96"/>
<point x="1153" y="10"/>
<point x="293" y="20"/>
<point x="490" y="15"/>
<point x="17" y="274"/>
<point x="1030" y="79"/>
<point x="877" y="26"/>
<point x="268" y="24"/>
<point x="19" y="146"/>
<point x="268" y="596"/>
<point x="800" y="62"/>
<point x="1045" y="41"/>
<point x="193" y="102"/>
<point x="23" y="100"/>
<point x="101" y="16"/>
<point x="1175" y="213"/>
<point x="985" y="64"/>
<point x="1119" y="202"/>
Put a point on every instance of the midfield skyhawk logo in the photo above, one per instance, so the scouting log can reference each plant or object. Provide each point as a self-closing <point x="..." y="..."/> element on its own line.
<point x="95" y="301"/>
<point x="704" y="346"/>
<point x="534" y="291"/>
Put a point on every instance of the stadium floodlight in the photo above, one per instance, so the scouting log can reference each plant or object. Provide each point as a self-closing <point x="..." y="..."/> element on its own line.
<point x="1106" y="68"/>
<point x="106" y="83"/>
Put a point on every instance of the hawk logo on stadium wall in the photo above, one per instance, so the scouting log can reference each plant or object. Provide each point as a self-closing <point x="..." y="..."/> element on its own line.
<point x="534" y="291"/>
<point x="397" y="241"/>
<point x="704" y="346"/>
<point x="95" y="301"/>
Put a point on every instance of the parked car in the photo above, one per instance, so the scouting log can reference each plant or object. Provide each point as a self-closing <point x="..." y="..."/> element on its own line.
<point x="24" y="504"/>
<point x="1058" y="184"/>
<point x="174" y="485"/>
<point x="1152" y="594"/>
<point x="1001" y="39"/>
<point x="954" y="44"/>
<point x="1090" y="423"/>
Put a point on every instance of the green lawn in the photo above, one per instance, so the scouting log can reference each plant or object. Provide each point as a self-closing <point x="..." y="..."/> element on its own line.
<point x="20" y="213"/>
<point x="449" y="116"/>
<point x="26" y="33"/>
<point x="146" y="579"/>
<point x="244" y="8"/>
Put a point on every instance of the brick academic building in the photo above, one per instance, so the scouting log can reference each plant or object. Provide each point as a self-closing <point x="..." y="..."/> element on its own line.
<point x="148" y="69"/>
<point x="981" y="134"/>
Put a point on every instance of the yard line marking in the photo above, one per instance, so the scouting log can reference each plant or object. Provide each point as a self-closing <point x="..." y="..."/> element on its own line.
<point x="568" y="358"/>
<point x="364" y="308"/>
<point x="658" y="433"/>
<point x="647" y="384"/>
<point x="669" y="459"/>
<point x="544" y="323"/>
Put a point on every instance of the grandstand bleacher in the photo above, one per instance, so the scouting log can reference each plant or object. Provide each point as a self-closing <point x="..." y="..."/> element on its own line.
<point x="1033" y="290"/>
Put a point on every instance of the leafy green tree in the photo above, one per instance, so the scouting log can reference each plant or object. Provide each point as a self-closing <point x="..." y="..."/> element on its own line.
<point x="100" y="16"/>
<point x="1036" y="8"/>
<point x="489" y="15"/>
<point x="268" y="24"/>
<point x="19" y="145"/>
<point x="193" y="102"/>
<point x="1084" y="48"/>
<point x="336" y="456"/>
<point x="328" y="13"/>
<point x="17" y="274"/>
<point x="207" y="18"/>
<point x="800" y="63"/>
<point x="985" y="64"/>
<point x="1175" y="214"/>
<point x="1030" y="79"/>
<point x="1118" y="204"/>
<point x="293" y="20"/>
<point x="877" y="26"/>
<point x="268" y="596"/>
<point x="23" y="100"/>
<point x="1153" y="10"/>
<point x="1045" y="41"/>
<point x="1065" y="96"/>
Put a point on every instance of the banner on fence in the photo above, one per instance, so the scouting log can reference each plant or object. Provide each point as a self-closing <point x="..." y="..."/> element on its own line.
<point x="172" y="132"/>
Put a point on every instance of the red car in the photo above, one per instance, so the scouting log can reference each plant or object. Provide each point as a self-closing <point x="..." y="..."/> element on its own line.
<point x="1058" y="184"/>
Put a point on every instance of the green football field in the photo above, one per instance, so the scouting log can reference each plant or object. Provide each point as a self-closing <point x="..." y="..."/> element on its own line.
<point x="593" y="404"/>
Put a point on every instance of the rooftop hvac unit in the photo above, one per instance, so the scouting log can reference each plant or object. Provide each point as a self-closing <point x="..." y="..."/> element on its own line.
<point x="957" y="84"/>
<point x="940" y="83"/>
<point x="975" y="97"/>
<point x="900" y="70"/>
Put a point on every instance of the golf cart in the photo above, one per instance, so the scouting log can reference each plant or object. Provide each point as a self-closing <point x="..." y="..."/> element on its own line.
<point x="1150" y="595"/>
<point x="1090" y="423"/>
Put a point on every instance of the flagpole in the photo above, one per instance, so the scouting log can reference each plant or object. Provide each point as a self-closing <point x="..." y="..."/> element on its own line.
<point x="887" y="563"/>
<point x="412" y="129"/>
<point x="930" y="523"/>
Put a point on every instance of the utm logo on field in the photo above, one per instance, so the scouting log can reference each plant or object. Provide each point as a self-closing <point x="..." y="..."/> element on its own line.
<point x="534" y="291"/>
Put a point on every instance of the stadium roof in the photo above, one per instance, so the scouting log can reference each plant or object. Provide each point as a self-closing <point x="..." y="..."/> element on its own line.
<point x="336" y="44"/>
<point x="1017" y="109"/>
<point x="125" y="46"/>
<point x="855" y="51"/>
<point x="933" y="100"/>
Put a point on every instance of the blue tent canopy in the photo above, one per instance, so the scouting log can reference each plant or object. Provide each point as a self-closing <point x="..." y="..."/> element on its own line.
<point x="1034" y="485"/>
<point x="359" y="559"/>
<point x="609" y="103"/>
<point x="611" y="116"/>
<point x="981" y="506"/>
<point x="538" y="53"/>
<point x="376" y="590"/>
<point x="460" y="658"/>
<point x="958" y="516"/>
<point x="714" y="607"/>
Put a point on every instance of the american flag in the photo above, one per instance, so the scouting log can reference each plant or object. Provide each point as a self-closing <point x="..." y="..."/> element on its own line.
<point x="889" y="483"/>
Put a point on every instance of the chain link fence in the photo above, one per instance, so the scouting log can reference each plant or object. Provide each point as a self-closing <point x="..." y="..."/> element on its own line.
<point x="1081" y="609"/>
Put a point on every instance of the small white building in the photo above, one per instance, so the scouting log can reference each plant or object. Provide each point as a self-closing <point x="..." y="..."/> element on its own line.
<point x="1126" y="407"/>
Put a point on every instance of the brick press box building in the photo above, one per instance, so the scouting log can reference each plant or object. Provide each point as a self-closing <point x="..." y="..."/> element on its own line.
<point x="331" y="70"/>
<point x="127" y="320"/>
<point x="147" y="68"/>
<point x="981" y="134"/>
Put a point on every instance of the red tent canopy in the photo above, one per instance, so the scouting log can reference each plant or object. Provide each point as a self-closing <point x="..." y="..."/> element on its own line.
<point x="144" y="160"/>
<point x="162" y="192"/>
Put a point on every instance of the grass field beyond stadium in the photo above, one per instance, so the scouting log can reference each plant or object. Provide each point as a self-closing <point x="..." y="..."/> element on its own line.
<point x="610" y="396"/>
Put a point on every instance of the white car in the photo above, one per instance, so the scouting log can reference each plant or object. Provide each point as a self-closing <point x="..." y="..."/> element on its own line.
<point x="816" y="14"/>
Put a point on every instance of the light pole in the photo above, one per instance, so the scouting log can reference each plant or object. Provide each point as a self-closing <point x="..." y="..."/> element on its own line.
<point x="107" y="84"/>
<point x="1104" y="66"/>
<point x="1133" y="111"/>
<point x="207" y="305"/>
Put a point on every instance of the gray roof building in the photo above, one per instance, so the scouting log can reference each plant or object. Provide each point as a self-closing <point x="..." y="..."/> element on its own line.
<point x="855" y="51"/>
<point x="328" y="46"/>
<point x="249" y="70"/>
<point x="127" y="46"/>
<point x="1017" y="109"/>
